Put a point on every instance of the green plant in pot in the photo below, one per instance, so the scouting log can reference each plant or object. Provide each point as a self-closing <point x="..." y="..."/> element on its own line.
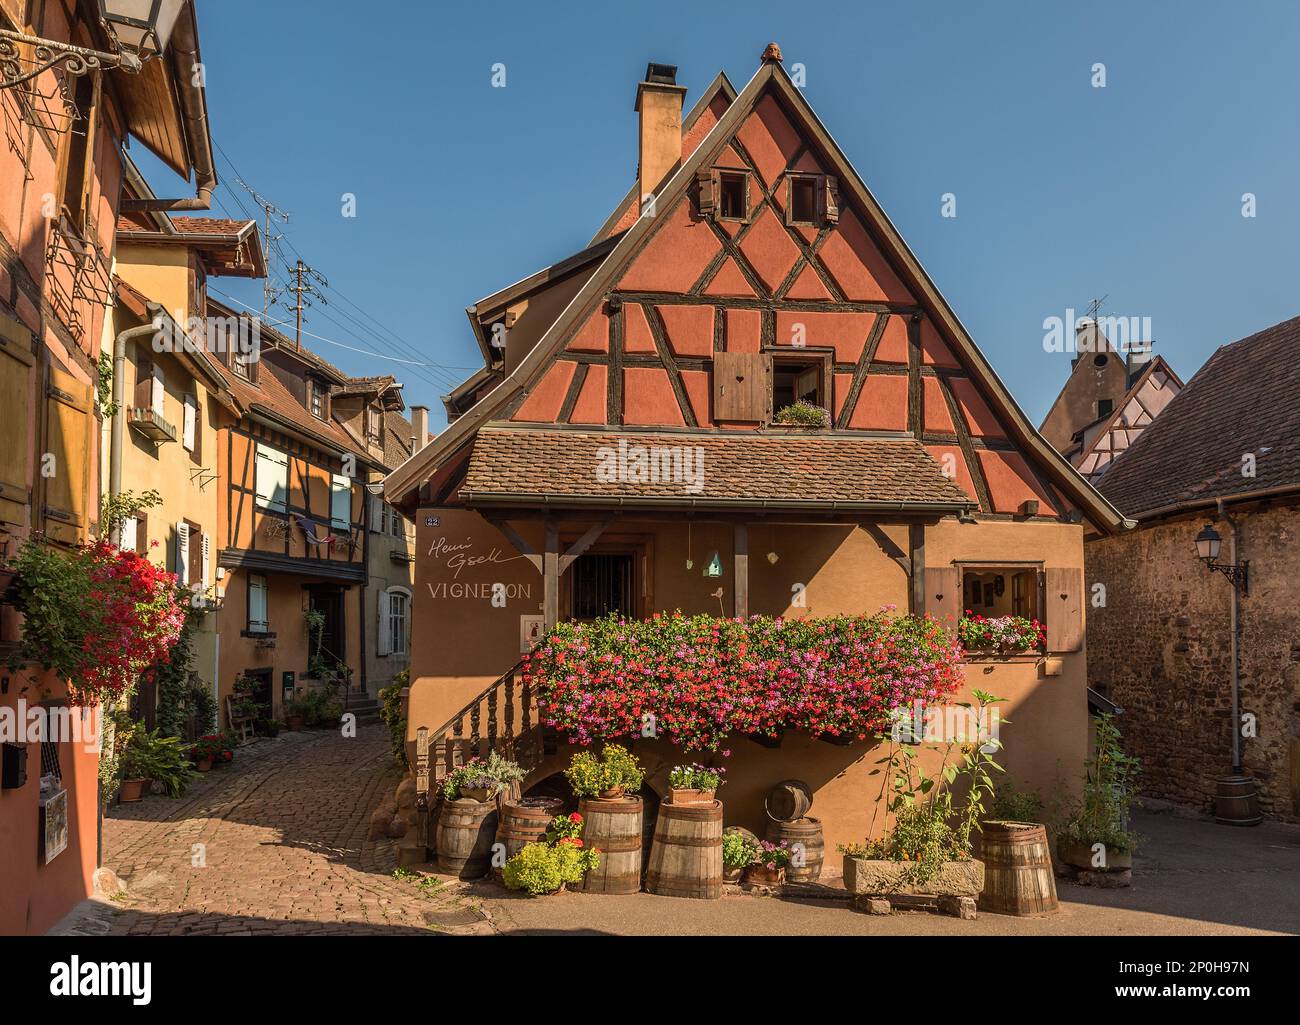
<point x="482" y="779"/>
<point x="295" y="714"/>
<point x="738" y="851"/>
<point x="611" y="775"/>
<point x="695" y="783"/>
<point x="150" y="756"/>
<point x="1095" y="834"/>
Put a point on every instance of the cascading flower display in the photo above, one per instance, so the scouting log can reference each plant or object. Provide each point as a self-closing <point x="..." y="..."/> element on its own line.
<point x="98" y="615"/>
<point x="1000" y="634"/>
<point x="701" y="678"/>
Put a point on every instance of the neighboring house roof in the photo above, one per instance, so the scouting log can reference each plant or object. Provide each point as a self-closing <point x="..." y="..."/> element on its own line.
<point x="273" y="339"/>
<point x="1244" y="401"/>
<point x="397" y="438"/>
<point x="230" y="248"/>
<point x="771" y="470"/>
<point x="1079" y="452"/>
<point x="770" y="77"/>
<point x="384" y="386"/>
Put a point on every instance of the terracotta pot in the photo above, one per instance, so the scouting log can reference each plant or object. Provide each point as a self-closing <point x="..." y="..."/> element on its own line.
<point x="294" y="722"/>
<point x="613" y="793"/>
<point x="203" y="765"/>
<point x="480" y="794"/>
<point x="732" y="875"/>
<point x="687" y="795"/>
<point x="764" y="875"/>
<point x="132" y="791"/>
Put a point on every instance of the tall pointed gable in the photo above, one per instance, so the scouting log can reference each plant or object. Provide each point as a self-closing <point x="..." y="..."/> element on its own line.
<point x="731" y="253"/>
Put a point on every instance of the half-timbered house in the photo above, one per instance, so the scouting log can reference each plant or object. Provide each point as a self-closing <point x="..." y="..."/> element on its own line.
<point x="621" y="451"/>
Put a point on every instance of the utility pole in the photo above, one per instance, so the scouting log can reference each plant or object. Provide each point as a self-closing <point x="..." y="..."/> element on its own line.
<point x="270" y="210"/>
<point x="304" y="289"/>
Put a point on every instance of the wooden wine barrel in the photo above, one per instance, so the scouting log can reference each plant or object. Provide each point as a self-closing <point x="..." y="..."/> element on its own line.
<point x="613" y="826"/>
<point x="686" y="854"/>
<point x="806" y="832"/>
<point x="524" y="821"/>
<point x="1236" y="801"/>
<point x="466" y="832"/>
<point x="1018" y="877"/>
<point x="789" y="800"/>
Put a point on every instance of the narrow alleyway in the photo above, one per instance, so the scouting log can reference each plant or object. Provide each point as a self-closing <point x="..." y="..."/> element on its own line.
<point x="276" y="844"/>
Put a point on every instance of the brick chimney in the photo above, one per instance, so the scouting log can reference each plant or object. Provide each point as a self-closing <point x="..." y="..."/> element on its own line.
<point x="419" y="428"/>
<point x="659" y="102"/>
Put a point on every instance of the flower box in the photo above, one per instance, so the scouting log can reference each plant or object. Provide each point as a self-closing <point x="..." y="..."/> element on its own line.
<point x="690" y="795"/>
<point x="882" y="878"/>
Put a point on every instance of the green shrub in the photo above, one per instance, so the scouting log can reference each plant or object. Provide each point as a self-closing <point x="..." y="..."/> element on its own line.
<point x="616" y="767"/>
<point x="738" y="850"/>
<point x="390" y="710"/>
<point x="149" y="755"/>
<point x="804" y="413"/>
<point x="1013" y="805"/>
<point x="541" y="868"/>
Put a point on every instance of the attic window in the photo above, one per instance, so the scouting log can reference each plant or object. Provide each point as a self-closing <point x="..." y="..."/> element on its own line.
<point x="803" y="200"/>
<point x="732" y="187"/>
<point x="1105" y="407"/>
<point x="796" y="380"/>
<point x="317" y="398"/>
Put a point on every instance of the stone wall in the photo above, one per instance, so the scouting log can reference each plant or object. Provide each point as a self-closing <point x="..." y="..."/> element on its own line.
<point x="1160" y="648"/>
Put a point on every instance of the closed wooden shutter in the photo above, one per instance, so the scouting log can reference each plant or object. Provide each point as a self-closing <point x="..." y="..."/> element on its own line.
<point x="377" y="513"/>
<point x="205" y="562"/>
<point x="742" y="386"/>
<point x="830" y="199"/>
<point x="65" y="463"/>
<point x="194" y="560"/>
<point x="385" y="610"/>
<point x="271" y="478"/>
<point x="1063" y="607"/>
<point x="181" y="566"/>
<point x="707" y="182"/>
<point x="16" y="362"/>
<point x="142" y="534"/>
<point x="943" y="594"/>
<point x="189" y="426"/>
<point x="130" y="537"/>
<point x="341" y="502"/>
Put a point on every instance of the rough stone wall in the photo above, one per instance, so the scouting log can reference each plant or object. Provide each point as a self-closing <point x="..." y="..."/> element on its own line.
<point x="1160" y="648"/>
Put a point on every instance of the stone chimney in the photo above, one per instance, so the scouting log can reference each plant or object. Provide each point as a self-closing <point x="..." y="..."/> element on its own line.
<point x="659" y="102"/>
<point x="419" y="428"/>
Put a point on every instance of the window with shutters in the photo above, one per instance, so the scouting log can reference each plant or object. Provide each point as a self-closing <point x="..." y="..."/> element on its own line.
<point x="733" y="195"/>
<point x="742" y="386"/>
<point x="798" y="380"/>
<point x="397" y="523"/>
<point x="801" y="199"/>
<point x="130" y="534"/>
<point x="1053" y="595"/>
<point x="191" y="426"/>
<point x="271" y="478"/>
<point x="341" y="502"/>
<point x="195" y="576"/>
<point x="398" y="620"/>
<point x="181" y="560"/>
<point x="258" y="618"/>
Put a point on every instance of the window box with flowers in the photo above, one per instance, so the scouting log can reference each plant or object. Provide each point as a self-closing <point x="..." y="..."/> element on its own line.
<point x="1001" y="636"/>
<point x="694" y="783"/>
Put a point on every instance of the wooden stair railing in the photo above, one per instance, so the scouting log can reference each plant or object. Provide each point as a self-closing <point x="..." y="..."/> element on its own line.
<point x="501" y="718"/>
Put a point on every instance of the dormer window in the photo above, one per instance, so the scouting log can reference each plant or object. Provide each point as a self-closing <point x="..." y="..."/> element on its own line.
<point x="316" y="398"/>
<point x="803" y="200"/>
<point x="372" y="426"/>
<point x="812" y="199"/>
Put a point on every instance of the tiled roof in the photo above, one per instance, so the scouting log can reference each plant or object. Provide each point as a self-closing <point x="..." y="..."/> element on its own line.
<point x="1245" y="400"/>
<point x="783" y="469"/>
<point x="397" y="438"/>
<point x="210" y="225"/>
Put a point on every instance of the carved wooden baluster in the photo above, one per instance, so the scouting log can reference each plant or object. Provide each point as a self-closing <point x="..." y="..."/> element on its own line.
<point x="510" y="709"/>
<point x="492" y="717"/>
<point x="457" y="758"/>
<point x="475" y="715"/>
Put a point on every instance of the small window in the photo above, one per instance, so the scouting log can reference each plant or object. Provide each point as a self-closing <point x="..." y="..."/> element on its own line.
<point x="397" y="524"/>
<point x="803" y="200"/>
<point x="373" y="420"/>
<point x="239" y="366"/>
<point x="997" y="591"/>
<point x="258" y="619"/>
<point x="732" y="188"/>
<point x="341" y="502"/>
<point x="794" y="381"/>
<point x="398" y="612"/>
<point x="317" y="398"/>
<point x="1105" y="407"/>
<point x="603" y="584"/>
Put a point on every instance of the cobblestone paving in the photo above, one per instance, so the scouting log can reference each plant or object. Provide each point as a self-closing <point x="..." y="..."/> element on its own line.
<point x="282" y="850"/>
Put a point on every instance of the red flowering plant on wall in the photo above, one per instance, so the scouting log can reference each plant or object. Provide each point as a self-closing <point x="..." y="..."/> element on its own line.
<point x="97" y="615"/>
<point x="1002" y="634"/>
<point x="699" y="679"/>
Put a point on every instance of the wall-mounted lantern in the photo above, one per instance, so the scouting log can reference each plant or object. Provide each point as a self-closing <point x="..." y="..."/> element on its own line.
<point x="713" y="568"/>
<point x="1207" y="550"/>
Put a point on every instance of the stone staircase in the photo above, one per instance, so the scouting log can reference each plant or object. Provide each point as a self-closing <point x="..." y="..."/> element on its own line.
<point x="365" y="708"/>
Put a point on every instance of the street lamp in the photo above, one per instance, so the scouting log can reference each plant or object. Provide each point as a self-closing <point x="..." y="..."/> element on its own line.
<point x="139" y="30"/>
<point x="1207" y="550"/>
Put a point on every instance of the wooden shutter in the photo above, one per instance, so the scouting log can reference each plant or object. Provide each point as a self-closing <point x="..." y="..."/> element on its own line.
<point x="377" y="514"/>
<point x="943" y="598"/>
<point x="340" y="502"/>
<point x="271" y="478"/>
<point x="830" y="199"/>
<point x="130" y="535"/>
<point x="69" y="436"/>
<point x="1063" y="607"/>
<point x="257" y="614"/>
<point x="158" y="393"/>
<point x="194" y="562"/>
<point x="385" y="609"/>
<point x="144" y="384"/>
<point x="181" y="566"/>
<point x="742" y="386"/>
<point x="205" y="562"/>
<point x="16" y="362"/>
<point x="142" y="534"/>
<point x="707" y="181"/>
<point x="189" y="426"/>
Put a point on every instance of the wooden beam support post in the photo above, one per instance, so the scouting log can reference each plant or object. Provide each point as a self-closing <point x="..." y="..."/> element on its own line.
<point x="551" y="575"/>
<point x="521" y="544"/>
<point x="582" y="544"/>
<point x="741" y="600"/>
<point x="916" y="593"/>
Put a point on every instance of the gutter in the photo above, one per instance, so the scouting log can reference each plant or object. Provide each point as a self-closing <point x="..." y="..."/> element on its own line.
<point x="194" y="110"/>
<point x="694" y="502"/>
<point x="1207" y="503"/>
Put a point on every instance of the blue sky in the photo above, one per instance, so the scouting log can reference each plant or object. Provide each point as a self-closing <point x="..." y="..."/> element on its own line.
<point x="1064" y="191"/>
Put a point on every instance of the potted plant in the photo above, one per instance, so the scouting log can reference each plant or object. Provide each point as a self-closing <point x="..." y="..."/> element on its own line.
<point x="151" y="756"/>
<point x="1095" y="835"/>
<point x="481" y="779"/>
<point x="542" y="867"/>
<point x="1002" y="635"/>
<point x="928" y="848"/>
<point x="209" y="751"/>
<point x="609" y="776"/>
<point x="738" y="852"/>
<point x="802" y="415"/>
<point x="295" y="715"/>
<point x="694" y="783"/>
<point x="769" y="863"/>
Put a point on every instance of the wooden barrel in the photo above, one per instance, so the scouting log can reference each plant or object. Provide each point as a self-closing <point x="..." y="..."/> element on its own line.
<point x="1236" y="801"/>
<point x="803" y="835"/>
<point x="686" y="854"/>
<point x="523" y="821"/>
<point x="789" y="800"/>
<point x="613" y="826"/>
<point x="466" y="832"/>
<point x="1018" y="876"/>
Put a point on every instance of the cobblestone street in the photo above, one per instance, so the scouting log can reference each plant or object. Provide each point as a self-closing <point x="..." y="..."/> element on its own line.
<point x="283" y="851"/>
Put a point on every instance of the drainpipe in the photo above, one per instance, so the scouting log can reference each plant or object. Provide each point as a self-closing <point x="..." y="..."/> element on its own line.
<point x="1236" y="653"/>
<point x="119" y="415"/>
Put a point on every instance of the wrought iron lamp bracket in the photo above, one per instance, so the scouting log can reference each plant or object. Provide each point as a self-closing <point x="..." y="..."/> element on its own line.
<point x="50" y="53"/>
<point x="1239" y="574"/>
